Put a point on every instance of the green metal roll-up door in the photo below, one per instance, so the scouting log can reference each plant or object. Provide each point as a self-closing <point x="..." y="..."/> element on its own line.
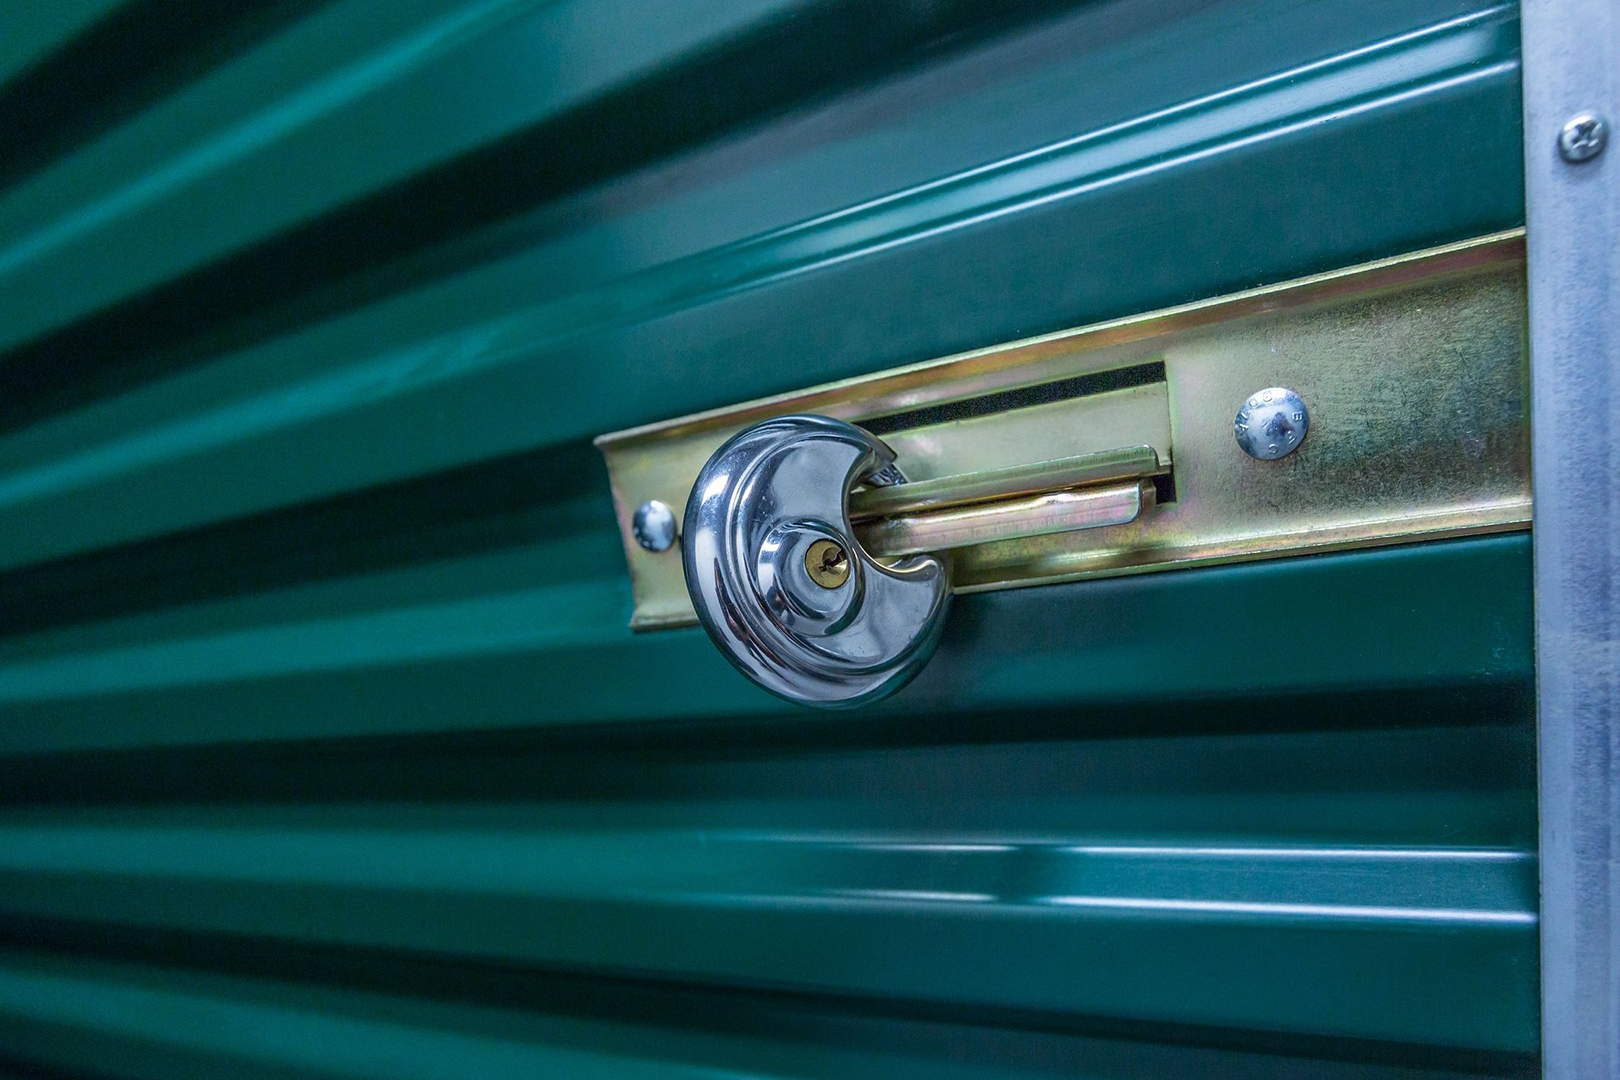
<point x="325" y="748"/>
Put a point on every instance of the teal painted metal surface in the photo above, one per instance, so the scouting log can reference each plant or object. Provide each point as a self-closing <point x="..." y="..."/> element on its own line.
<point x="325" y="750"/>
<point x="32" y="31"/>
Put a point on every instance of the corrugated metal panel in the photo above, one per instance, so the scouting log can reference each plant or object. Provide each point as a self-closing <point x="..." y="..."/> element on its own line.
<point x="326" y="750"/>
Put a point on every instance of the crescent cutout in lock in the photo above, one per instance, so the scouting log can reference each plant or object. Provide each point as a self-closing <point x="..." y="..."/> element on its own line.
<point x="768" y="517"/>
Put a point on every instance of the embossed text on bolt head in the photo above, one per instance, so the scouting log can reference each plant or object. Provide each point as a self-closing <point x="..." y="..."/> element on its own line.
<point x="654" y="525"/>
<point x="1583" y="137"/>
<point x="1272" y="423"/>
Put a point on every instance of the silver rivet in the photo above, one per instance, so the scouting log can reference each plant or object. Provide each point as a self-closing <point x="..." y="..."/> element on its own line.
<point x="1272" y="423"/>
<point x="654" y="525"/>
<point x="1583" y="138"/>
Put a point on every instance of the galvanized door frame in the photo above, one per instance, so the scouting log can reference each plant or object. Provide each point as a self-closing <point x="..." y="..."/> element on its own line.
<point x="1571" y="51"/>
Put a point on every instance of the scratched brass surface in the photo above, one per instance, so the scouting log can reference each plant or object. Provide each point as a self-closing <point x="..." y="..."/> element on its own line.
<point x="1414" y="370"/>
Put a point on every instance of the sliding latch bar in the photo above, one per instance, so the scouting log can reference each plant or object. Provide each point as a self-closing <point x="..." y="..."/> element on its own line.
<point x="1087" y="491"/>
<point x="1413" y="371"/>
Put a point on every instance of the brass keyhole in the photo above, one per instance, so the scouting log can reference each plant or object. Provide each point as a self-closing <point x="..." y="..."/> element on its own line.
<point x="827" y="563"/>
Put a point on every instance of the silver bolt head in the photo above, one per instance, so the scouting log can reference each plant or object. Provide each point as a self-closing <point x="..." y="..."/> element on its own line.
<point x="654" y="525"/>
<point x="1583" y="138"/>
<point x="1272" y="423"/>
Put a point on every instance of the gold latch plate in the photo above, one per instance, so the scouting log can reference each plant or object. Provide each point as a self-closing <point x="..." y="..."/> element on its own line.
<point x="1414" y="370"/>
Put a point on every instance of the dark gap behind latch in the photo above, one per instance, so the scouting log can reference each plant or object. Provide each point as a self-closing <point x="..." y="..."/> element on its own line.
<point x="1042" y="394"/>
